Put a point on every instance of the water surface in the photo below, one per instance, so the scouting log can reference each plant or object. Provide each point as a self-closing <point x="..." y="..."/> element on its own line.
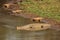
<point x="8" y="29"/>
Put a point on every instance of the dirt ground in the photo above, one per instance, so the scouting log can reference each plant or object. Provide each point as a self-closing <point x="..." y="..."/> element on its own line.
<point x="55" y="24"/>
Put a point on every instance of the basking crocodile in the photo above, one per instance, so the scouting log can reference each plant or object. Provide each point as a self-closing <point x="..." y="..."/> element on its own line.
<point x="10" y="6"/>
<point x="34" y="27"/>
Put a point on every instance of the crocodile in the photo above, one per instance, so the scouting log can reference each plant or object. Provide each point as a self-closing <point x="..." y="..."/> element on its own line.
<point x="34" y="27"/>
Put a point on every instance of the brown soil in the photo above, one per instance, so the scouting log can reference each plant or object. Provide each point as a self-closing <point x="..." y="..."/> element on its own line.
<point x="25" y="14"/>
<point x="53" y="22"/>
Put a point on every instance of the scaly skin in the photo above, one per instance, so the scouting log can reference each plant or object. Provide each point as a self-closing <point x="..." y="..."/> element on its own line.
<point x="34" y="27"/>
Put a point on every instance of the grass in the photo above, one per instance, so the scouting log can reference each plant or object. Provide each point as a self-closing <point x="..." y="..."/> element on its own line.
<point x="44" y="8"/>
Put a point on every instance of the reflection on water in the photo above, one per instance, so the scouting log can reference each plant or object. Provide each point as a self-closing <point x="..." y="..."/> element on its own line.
<point x="10" y="33"/>
<point x="25" y="36"/>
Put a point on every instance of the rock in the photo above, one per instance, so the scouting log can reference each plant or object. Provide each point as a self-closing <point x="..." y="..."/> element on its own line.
<point x="34" y="27"/>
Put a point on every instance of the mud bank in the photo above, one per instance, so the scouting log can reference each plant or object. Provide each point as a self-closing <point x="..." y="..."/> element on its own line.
<point x="54" y="23"/>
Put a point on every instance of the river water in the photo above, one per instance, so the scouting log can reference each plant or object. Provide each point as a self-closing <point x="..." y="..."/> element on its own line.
<point x="8" y="29"/>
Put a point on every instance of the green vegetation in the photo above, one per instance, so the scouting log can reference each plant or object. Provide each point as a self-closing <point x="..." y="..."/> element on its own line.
<point x="44" y="8"/>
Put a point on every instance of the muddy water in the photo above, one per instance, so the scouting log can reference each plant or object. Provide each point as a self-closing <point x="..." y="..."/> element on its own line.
<point x="8" y="29"/>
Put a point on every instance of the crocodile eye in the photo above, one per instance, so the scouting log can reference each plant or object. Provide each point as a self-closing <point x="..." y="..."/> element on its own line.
<point x="30" y="27"/>
<point x="38" y="20"/>
<point x="5" y="6"/>
<point x="33" y="20"/>
<point x="42" y="26"/>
